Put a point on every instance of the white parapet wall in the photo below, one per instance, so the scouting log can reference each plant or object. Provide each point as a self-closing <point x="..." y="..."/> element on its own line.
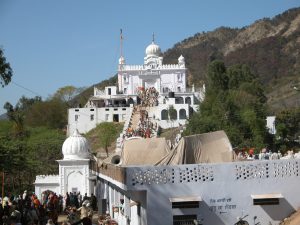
<point x="46" y="182"/>
<point x="225" y="191"/>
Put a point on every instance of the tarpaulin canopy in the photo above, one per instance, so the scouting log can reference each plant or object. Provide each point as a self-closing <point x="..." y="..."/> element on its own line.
<point x="144" y="151"/>
<point x="211" y="147"/>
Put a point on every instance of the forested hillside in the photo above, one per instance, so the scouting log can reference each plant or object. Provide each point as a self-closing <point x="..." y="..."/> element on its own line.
<point x="270" y="47"/>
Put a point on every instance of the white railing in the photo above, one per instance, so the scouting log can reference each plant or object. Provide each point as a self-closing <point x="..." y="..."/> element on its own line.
<point x="144" y="67"/>
<point x="98" y="92"/>
<point x="202" y="173"/>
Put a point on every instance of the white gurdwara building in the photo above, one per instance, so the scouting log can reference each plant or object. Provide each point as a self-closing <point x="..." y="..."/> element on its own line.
<point x="115" y="104"/>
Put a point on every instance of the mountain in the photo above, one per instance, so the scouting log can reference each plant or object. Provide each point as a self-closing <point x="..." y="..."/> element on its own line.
<point x="270" y="47"/>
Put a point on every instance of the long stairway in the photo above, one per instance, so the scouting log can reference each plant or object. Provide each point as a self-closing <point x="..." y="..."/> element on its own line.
<point x="135" y="118"/>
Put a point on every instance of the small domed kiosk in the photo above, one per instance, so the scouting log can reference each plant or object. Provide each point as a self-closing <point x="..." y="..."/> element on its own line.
<point x="74" y="169"/>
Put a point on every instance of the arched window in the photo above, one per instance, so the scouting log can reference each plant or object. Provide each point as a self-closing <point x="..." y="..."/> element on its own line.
<point x="182" y="114"/>
<point x="188" y="100"/>
<point x="179" y="100"/>
<point x="164" y="114"/>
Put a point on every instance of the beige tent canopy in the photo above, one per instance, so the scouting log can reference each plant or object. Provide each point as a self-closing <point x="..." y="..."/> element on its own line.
<point x="144" y="151"/>
<point x="211" y="147"/>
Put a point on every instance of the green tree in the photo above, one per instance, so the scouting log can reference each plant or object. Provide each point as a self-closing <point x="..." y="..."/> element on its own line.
<point x="216" y="75"/>
<point x="108" y="133"/>
<point x="234" y="102"/>
<point x="24" y="158"/>
<point x="288" y="128"/>
<point x="172" y="113"/>
<point x="67" y="93"/>
<point x="16" y="115"/>
<point x="51" y="113"/>
<point x="5" y="70"/>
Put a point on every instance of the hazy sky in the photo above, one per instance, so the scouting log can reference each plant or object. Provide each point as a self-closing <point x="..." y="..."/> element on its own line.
<point x="54" y="43"/>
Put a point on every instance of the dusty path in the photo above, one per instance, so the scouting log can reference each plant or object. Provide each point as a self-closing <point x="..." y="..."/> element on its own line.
<point x="294" y="219"/>
<point x="63" y="217"/>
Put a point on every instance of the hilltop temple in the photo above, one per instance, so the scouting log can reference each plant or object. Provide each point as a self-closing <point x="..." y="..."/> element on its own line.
<point x="165" y="83"/>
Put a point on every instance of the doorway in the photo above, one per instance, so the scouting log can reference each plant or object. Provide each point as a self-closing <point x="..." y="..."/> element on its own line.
<point x="116" y="118"/>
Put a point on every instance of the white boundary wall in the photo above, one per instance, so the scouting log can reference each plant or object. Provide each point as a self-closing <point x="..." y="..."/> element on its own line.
<point x="225" y="190"/>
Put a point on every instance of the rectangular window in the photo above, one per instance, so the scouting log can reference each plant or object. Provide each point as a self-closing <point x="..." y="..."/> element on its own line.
<point x="76" y="110"/>
<point x="92" y="117"/>
<point x="189" y="204"/>
<point x="76" y="118"/>
<point x="106" y="117"/>
<point x="91" y="109"/>
<point x="266" y="201"/>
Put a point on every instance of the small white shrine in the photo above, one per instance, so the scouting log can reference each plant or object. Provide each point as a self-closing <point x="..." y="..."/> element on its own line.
<point x="74" y="169"/>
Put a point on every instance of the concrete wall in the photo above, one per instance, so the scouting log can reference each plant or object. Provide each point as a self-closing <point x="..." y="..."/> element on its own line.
<point x="225" y="190"/>
<point x="85" y="119"/>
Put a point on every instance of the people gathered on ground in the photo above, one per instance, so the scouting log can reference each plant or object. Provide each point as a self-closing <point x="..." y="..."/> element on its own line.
<point x="28" y="209"/>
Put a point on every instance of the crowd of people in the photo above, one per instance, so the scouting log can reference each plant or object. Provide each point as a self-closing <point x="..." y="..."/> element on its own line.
<point x="266" y="154"/>
<point x="145" y="128"/>
<point x="148" y="96"/>
<point x="28" y="209"/>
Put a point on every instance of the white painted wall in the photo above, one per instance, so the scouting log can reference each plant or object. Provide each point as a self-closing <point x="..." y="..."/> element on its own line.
<point x="225" y="190"/>
<point x="43" y="183"/>
<point x="85" y="119"/>
<point x="271" y="124"/>
<point x="74" y="174"/>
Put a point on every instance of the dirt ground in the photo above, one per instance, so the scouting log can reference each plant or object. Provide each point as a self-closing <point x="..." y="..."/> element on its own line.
<point x="294" y="219"/>
<point x="62" y="218"/>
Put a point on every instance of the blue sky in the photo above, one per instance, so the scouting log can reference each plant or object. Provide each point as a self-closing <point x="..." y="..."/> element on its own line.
<point x="51" y="44"/>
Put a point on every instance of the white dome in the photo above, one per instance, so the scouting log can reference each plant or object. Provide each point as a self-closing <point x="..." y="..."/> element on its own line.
<point x="121" y="60"/>
<point x="76" y="147"/>
<point x="181" y="59"/>
<point x="153" y="49"/>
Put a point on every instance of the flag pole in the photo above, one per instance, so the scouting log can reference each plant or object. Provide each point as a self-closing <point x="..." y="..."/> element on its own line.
<point x="121" y="43"/>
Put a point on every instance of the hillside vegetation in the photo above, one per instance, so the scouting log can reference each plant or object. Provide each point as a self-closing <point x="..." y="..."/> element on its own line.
<point x="270" y="47"/>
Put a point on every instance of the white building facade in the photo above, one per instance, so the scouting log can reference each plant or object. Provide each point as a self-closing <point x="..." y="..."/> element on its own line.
<point x="260" y="192"/>
<point x="75" y="173"/>
<point x="113" y="104"/>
